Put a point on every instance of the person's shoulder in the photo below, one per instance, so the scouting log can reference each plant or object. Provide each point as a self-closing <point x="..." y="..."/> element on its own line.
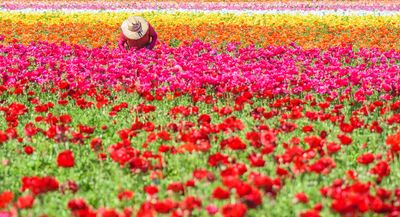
<point x="122" y="36"/>
<point x="151" y="29"/>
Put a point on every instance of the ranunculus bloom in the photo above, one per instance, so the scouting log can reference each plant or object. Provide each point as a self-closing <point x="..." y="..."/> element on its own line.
<point x="234" y="210"/>
<point x="29" y="150"/>
<point x="301" y="197"/>
<point x="125" y="195"/>
<point x="366" y="158"/>
<point x="5" y="198"/>
<point x="212" y="209"/>
<point x="151" y="189"/>
<point x="25" y="202"/>
<point x="66" y="159"/>
<point x="220" y="193"/>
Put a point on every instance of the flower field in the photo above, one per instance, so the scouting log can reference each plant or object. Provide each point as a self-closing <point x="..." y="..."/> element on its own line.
<point x="243" y="108"/>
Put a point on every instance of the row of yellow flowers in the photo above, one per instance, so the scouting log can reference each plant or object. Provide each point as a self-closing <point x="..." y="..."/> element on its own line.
<point x="97" y="29"/>
<point x="200" y="18"/>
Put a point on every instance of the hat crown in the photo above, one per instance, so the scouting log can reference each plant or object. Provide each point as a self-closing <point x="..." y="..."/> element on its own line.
<point x="135" y="26"/>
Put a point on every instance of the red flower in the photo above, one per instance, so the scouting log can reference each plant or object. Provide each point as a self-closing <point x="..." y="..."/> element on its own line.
<point x="39" y="185"/>
<point x="375" y="127"/>
<point x="234" y="210"/>
<point x="381" y="169"/>
<point x="313" y="141"/>
<point x="345" y="140"/>
<point x="302" y="197"/>
<point x="281" y="171"/>
<point x="323" y="134"/>
<point x="351" y="174"/>
<point x="217" y="159"/>
<point x="318" y="207"/>
<point x="30" y="129"/>
<point x="204" y="118"/>
<point x="96" y="144"/>
<point x="190" y="203"/>
<point x="366" y="158"/>
<point x="5" y="198"/>
<point x="256" y="160"/>
<point x="311" y="115"/>
<point x="220" y="193"/>
<point x="165" y="206"/>
<point x="333" y="148"/>
<point x="125" y="195"/>
<point x="3" y="137"/>
<point x="42" y="108"/>
<point x="253" y="199"/>
<point x="62" y="102"/>
<point x="66" y="159"/>
<point x="127" y="212"/>
<point x="151" y="189"/>
<point x="324" y="105"/>
<point x="77" y="204"/>
<point x="200" y="173"/>
<point x="234" y="143"/>
<point x="65" y="119"/>
<point x="392" y="140"/>
<point x="164" y="148"/>
<point x="145" y="108"/>
<point x="86" y="129"/>
<point x="176" y="187"/>
<point x="384" y="194"/>
<point x="146" y="210"/>
<point x="70" y="185"/>
<point x="11" y="133"/>
<point x="148" y="126"/>
<point x="190" y="183"/>
<point x="348" y="202"/>
<point x="346" y="128"/>
<point x="79" y="208"/>
<point x="108" y="213"/>
<point x="323" y="165"/>
<point x="288" y="127"/>
<point x="267" y="138"/>
<point x="29" y="149"/>
<point x="243" y="189"/>
<point x="63" y="84"/>
<point x="164" y="135"/>
<point x="254" y="139"/>
<point x="377" y="205"/>
<point x="261" y="181"/>
<point x="25" y="202"/>
<point x="102" y="156"/>
<point x="307" y="129"/>
<point x="310" y="213"/>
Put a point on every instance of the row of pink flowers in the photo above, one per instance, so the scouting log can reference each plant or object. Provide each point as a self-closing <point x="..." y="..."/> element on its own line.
<point x="273" y="70"/>
<point x="292" y="5"/>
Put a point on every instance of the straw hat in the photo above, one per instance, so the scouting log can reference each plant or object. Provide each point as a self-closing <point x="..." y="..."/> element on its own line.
<point x="135" y="27"/>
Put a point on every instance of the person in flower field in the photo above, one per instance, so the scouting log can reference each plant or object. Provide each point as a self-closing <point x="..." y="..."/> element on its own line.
<point x="137" y="33"/>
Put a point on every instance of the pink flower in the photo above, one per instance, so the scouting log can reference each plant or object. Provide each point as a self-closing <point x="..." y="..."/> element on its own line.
<point x="212" y="209"/>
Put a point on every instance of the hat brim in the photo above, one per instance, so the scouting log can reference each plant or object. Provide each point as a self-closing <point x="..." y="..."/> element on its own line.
<point x="134" y="35"/>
